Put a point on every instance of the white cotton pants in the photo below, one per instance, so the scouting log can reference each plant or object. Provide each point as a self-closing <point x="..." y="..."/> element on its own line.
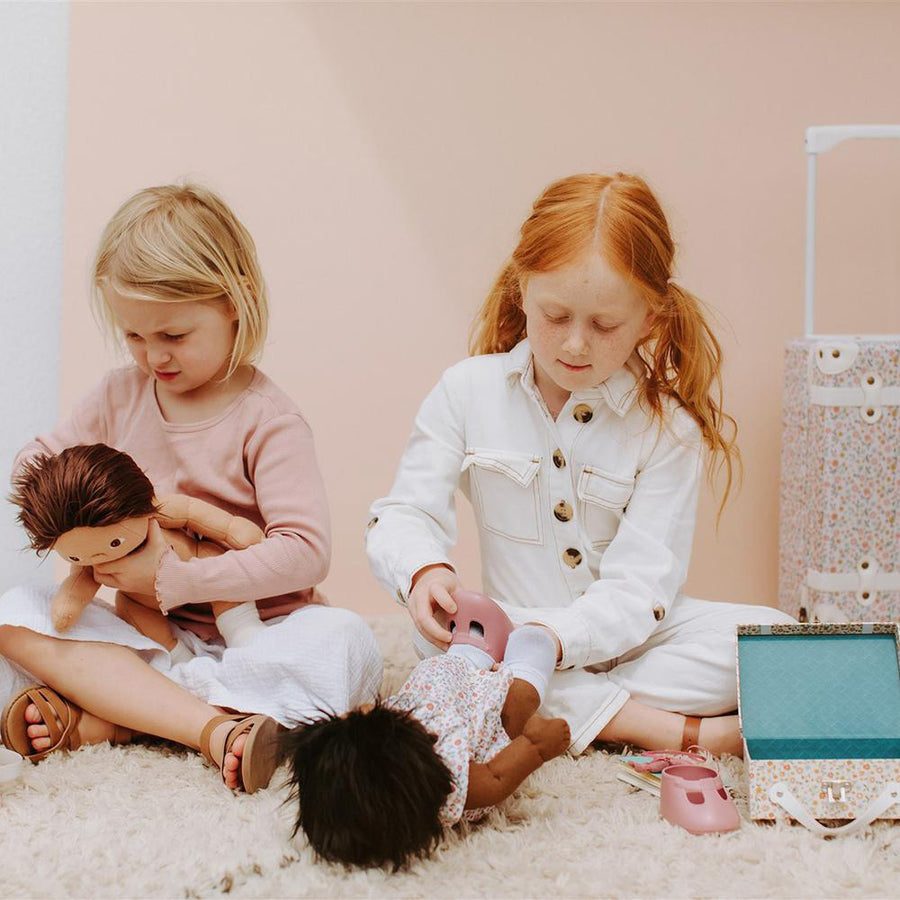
<point x="688" y="665"/>
<point x="316" y="658"/>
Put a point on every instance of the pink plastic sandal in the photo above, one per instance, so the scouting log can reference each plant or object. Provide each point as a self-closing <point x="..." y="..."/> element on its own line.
<point x="479" y="621"/>
<point x="694" y="798"/>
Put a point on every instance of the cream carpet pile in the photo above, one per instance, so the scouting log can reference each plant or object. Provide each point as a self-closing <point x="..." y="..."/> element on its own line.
<point x="149" y="821"/>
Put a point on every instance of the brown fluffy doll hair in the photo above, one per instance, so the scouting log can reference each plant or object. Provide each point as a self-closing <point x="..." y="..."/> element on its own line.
<point x="87" y="486"/>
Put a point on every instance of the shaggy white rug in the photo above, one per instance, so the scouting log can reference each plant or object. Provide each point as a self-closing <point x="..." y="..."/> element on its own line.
<point x="149" y="821"/>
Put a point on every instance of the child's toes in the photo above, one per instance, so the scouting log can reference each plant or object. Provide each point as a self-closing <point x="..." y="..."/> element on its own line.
<point x="237" y="748"/>
<point x="41" y="743"/>
<point x="230" y="770"/>
<point x="32" y="714"/>
<point x="37" y="731"/>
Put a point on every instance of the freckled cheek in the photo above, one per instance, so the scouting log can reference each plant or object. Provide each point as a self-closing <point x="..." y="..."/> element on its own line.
<point x="617" y="349"/>
<point x="544" y="336"/>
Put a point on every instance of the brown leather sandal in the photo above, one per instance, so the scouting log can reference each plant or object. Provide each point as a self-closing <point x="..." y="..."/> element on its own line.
<point x="61" y="717"/>
<point x="260" y="755"/>
<point x="690" y="737"/>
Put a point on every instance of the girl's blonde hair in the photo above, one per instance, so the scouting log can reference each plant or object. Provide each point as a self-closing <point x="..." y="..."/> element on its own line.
<point x="182" y="242"/>
<point x="621" y="218"/>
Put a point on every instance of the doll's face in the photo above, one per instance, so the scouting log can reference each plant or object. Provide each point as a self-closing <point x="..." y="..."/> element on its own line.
<point x="92" y="546"/>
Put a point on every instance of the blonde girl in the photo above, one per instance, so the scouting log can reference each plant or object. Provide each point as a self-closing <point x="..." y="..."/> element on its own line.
<point x="177" y="279"/>
<point x="578" y="430"/>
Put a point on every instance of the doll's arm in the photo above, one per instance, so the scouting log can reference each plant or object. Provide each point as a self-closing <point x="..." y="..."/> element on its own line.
<point x="493" y="781"/>
<point x="181" y="511"/>
<point x="73" y="596"/>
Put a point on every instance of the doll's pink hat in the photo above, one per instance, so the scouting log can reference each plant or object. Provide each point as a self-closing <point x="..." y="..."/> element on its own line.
<point x="480" y="622"/>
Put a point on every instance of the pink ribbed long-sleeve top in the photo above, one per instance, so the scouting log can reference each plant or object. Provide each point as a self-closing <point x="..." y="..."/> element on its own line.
<point x="254" y="459"/>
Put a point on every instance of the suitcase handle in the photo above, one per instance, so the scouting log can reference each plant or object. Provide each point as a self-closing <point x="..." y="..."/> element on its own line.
<point x="821" y="139"/>
<point x="781" y="795"/>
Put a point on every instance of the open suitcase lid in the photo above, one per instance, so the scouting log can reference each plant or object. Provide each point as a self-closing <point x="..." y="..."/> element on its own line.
<point x="820" y="691"/>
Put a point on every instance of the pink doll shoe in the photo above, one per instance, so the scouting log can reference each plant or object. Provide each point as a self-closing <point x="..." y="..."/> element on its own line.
<point x="695" y="798"/>
<point x="480" y="622"/>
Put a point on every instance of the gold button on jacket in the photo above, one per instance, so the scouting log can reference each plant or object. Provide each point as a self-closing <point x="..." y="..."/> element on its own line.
<point x="571" y="557"/>
<point x="659" y="613"/>
<point x="562" y="511"/>
<point x="583" y="413"/>
<point x="558" y="459"/>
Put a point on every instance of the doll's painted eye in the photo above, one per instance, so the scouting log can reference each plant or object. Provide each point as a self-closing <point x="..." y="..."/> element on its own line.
<point x="115" y="542"/>
<point x="74" y="558"/>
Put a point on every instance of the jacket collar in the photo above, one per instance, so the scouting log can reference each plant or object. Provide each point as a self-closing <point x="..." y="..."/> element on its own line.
<point x="620" y="390"/>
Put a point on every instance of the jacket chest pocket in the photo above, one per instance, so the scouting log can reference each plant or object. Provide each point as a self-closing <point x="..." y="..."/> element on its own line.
<point x="604" y="498"/>
<point x="506" y="492"/>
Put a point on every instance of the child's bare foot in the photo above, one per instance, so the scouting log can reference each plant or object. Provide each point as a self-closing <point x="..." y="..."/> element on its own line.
<point x="721" y="734"/>
<point x="89" y="730"/>
<point x="522" y="702"/>
<point x="551" y="736"/>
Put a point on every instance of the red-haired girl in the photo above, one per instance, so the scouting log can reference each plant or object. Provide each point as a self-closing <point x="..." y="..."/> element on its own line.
<point x="578" y="430"/>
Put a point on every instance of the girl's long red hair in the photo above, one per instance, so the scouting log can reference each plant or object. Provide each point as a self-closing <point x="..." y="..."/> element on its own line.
<point x="619" y="217"/>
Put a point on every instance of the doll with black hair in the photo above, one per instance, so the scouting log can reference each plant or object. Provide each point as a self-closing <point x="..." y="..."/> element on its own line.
<point x="380" y="783"/>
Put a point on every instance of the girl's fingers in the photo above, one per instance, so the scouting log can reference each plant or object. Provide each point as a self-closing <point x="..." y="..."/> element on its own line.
<point x="431" y="628"/>
<point x="443" y="598"/>
<point x="435" y="634"/>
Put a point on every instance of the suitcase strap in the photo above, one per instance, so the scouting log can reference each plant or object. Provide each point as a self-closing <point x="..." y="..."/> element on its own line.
<point x="870" y="397"/>
<point x="781" y="795"/>
<point x="867" y="582"/>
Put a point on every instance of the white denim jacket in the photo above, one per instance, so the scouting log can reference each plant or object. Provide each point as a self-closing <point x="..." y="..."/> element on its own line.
<point x="587" y="521"/>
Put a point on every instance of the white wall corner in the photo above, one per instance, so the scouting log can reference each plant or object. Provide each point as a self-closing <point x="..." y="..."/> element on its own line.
<point x="33" y="96"/>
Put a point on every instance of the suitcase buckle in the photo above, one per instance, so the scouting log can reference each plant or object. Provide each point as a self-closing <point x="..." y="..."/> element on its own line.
<point x="829" y="787"/>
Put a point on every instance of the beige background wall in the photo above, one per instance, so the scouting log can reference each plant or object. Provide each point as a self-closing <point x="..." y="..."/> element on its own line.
<point x="384" y="155"/>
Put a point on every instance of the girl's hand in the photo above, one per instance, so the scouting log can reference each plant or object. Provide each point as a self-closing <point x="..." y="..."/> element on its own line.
<point x="430" y="602"/>
<point x="135" y="573"/>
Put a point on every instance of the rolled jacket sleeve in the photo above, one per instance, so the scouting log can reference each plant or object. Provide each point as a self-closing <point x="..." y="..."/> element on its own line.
<point x="647" y="561"/>
<point x="415" y="526"/>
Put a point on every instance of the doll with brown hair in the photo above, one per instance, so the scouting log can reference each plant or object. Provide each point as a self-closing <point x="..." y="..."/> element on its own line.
<point x="93" y="504"/>
<point x="379" y="784"/>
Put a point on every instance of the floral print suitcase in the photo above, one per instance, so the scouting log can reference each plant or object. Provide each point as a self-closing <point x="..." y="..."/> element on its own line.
<point x="840" y="456"/>
<point x="819" y="707"/>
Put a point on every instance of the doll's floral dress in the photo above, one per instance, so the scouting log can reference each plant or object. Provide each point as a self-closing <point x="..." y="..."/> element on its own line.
<point x="461" y="704"/>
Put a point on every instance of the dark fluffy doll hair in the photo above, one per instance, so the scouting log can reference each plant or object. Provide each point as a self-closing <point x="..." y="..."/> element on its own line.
<point x="370" y="786"/>
<point x="87" y="486"/>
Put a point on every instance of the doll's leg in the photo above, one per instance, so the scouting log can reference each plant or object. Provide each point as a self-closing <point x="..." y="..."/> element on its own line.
<point x="113" y="684"/>
<point x="149" y="622"/>
<point x="531" y="656"/>
<point x="522" y="702"/>
<point x="152" y="624"/>
<point x="238" y="623"/>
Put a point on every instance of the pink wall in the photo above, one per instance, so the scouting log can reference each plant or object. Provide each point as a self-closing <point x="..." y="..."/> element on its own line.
<point x="384" y="156"/>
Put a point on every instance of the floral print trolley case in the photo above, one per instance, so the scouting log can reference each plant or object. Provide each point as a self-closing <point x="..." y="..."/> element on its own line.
<point x="819" y="708"/>
<point x="840" y="457"/>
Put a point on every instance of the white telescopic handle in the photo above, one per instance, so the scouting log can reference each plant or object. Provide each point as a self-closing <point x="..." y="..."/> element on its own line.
<point x="821" y="139"/>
